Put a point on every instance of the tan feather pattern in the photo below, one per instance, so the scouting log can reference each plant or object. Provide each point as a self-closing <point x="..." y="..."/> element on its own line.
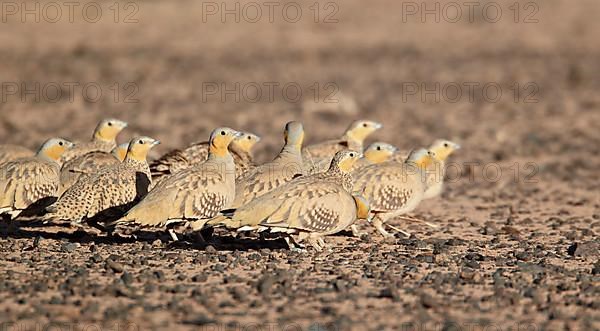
<point x="317" y="157"/>
<point x="391" y="188"/>
<point x="81" y="149"/>
<point x="113" y="189"/>
<point x="177" y="160"/>
<point x="103" y="140"/>
<point x="291" y="205"/>
<point x="266" y="177"/>
<point x="89" y="163"/>
<point x="193" y="194"/>
<point x="114" y="186"/>
<point x="26" y="181"/>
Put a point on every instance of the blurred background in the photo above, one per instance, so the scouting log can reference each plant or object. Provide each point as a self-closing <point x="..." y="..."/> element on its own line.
<point x="514" y="82"/>
<point x="505" y="79"/>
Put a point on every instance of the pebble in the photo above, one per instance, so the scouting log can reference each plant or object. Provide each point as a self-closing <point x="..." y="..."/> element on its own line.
<point x="114" y="266"/>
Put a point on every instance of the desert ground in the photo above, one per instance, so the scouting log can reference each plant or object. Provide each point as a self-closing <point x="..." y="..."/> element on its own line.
<point x="517" y="243"/>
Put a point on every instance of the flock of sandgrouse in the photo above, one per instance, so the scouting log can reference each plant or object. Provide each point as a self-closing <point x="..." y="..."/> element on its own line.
<point x="305" y="193"/>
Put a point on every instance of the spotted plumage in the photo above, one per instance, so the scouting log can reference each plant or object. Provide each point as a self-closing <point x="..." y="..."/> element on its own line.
<point x="267" y="177"/>
<point x="103" y="139"/>
<point x="89" y="164"/>
<point x="317" y="157"/>
<point x="31" y="182"/>
<point x="177" y="160"/>
<point x="318" y="204"/>
<point x="193" y="195"/>
<point x="393" y="188"/>
<point x="109" y="192"/>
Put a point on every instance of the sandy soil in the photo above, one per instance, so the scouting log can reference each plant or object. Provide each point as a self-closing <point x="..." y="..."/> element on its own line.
<point x="517" y="246"/>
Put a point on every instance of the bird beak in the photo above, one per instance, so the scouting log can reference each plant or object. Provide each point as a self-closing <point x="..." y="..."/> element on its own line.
<point x="456" y="146"/>
<point x="257" y="138"/>
<point x="378" y="125"/>
<point x="156" y="142"/>
<point x="238" y="134"/>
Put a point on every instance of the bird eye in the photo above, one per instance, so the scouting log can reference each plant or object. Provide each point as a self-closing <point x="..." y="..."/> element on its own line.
<point x="351" y="154"/>
<point x="365" y="125"/>
<point x="378" y="148"/>
<point x="249" y="138"/>
<point x="60" y="143"/>
<point x="109" y="123"/>
<point x="222" y="133"/>
<point x="445" y="144"/>
<point x="141" y="142"/>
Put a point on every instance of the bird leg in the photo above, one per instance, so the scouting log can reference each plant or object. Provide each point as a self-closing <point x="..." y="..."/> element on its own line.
<point x="315" y="244"/>
<point x="294" y="244"/>
<point x="355" y="231"/>
<point x="173" y="235"/>
<point x="414" y="219"/>
<point x="398" y="230"/>
<point x="378" y="224"/>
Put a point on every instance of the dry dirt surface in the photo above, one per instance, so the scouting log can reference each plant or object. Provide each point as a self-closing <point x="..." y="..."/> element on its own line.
<point x="517" y="245"/>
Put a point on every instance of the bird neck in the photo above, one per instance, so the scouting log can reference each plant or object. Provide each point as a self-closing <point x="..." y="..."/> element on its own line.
<point x="52" y="154"/>
<point x="290" y="150"/>
<point x="104" y="137"/>
<point x="220" y="154"/>
<point x="341" y="177"/>
<point x="136" y="156"/>
<point x="217" y="149"/>
<point x="355" y="138"/>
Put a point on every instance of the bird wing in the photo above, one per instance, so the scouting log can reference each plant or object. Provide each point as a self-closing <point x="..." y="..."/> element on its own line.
<point x="26" y="181"/>
<point x="321" y="207"/>
<point x="177" y="159"/>
<point x="195" y="193"/>
<point x="388" y="186"/>
<point x="265" y="178"/>
<point x="113" y="187"/>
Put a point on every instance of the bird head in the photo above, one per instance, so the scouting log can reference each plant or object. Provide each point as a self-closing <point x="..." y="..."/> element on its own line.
<point x="362" y="207"/>
<point x="54" y="148"/>
<point x="120" y="151"/>
<point x="345" y="160"/>
<point x="421" y="157"/>
<point x="246" y="141"/>
<point x="220" y="139"/>
<point x="443" y="148"/>
<point x="294" y="134"/>
<point x="108" y="129"/>
<point x="379" y="152"/>
<point x="139" y="146"/>
<point x="361" y="129"/>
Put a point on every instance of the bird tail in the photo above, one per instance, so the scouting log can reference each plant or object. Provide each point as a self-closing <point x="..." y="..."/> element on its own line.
<point x="224" y="218"/>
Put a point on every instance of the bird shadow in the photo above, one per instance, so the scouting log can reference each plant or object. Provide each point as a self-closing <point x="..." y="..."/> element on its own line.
<point x="223" y="241"/>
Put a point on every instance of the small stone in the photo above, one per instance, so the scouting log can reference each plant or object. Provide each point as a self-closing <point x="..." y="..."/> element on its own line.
<point x="427" y="301"/>
<point x="596" y="269"/>
<point x="265" y="284"/>
<point x="127" y="278"/>
<point x="199" y="278"/>
<point x="199" y="320"/>
<point x="584" y="249"/>
<point x="523" y="256"/>
<point x="114" y="266"/>
<point x="69" y="247"/>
